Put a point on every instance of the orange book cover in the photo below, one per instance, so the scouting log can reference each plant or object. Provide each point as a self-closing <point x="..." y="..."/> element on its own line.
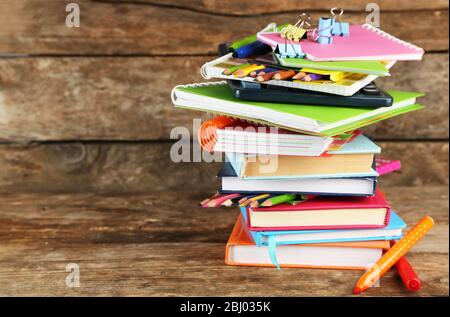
<point x="241" y="236"/>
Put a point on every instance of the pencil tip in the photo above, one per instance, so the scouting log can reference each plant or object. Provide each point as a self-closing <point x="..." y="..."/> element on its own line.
<point x="356" y="290"/>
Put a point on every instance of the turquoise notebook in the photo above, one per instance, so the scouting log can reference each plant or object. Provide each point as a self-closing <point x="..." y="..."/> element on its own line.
<point x="215" y="97"/>
<point x="393" y="231"/>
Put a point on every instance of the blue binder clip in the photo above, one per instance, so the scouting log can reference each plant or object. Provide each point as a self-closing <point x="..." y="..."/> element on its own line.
<point x="292" y="50"/>
<point x="324" y="31"/>
<point x="340" y="28"/>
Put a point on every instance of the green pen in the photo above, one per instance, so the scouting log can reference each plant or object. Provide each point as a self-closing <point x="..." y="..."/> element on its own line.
<point x="249" y="39"/>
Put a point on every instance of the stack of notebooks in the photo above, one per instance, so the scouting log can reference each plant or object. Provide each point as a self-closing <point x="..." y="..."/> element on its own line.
<point x="297" y="165"/>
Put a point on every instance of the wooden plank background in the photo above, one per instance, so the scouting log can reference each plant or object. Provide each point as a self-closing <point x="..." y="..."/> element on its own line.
<point x="86" y="112"/>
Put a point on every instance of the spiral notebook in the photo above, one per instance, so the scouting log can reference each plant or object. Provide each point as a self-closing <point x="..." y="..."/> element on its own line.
<point x="365" y="42"/>
<point x="215" y="97"/>
<point x="225" y="134"/>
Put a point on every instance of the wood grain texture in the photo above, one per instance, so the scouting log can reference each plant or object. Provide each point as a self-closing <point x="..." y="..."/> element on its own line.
<point x="93" y="98"/>
<point x="143" y="167"/>
<point x="129" y="245"/>
<point x="432" y="122"/>
<point x="248" y="7"/>
<point x="38" y="27"/>
<point x="129" y="98"/>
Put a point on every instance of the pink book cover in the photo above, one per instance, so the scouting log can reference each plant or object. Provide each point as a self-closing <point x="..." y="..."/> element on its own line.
<point x="365" y="42"/>
<point x="324" y="203"/>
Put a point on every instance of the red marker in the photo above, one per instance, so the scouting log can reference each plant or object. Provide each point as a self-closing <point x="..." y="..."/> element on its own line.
<point x="408" y="275"/>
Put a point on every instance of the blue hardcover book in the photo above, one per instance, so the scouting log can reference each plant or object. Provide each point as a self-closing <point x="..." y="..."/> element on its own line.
<point x="345" y="186"/>
<point x="393" y="231"/>
<point x="354" y="159"/>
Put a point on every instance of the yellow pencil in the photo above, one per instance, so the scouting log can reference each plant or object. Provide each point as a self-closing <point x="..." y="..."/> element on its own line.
<point x="248" y="201"/>
<point x="393" y="255"/>
<point x="259" y="197"/>
<point x="240" y="73"/>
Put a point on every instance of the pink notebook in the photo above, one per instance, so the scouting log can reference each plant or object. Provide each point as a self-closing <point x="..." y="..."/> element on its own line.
<point x="364" y="43"/>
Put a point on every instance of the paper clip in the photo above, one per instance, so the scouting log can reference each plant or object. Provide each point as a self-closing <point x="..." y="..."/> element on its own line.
<point x="339" y="28"/>
<point x="296" y="32"/>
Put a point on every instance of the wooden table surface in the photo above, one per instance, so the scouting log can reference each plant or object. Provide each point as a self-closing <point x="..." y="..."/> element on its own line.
<point x="165" y="245"/>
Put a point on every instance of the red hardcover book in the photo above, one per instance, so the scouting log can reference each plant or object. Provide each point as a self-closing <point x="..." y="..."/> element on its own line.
<point x="322" y="212"/>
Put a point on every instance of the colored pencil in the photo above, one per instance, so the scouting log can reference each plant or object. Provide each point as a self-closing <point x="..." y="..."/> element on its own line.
<point x="278" y="200"/>
<point x="286" y="74"/>
<point x="255" y="198"/>
<point x="218" y="201"/>
<point x="263" y="71"/>
<point x="232" y="201"/>
<point x="204" y="201"/>
<point x="267" y="77"/>
<point x="312" y="77"/>
<point x="241" y="73"/>
<point x="231" y="70"/>
<point x="258" y="202"/>
<point x="246" y="198"/>
<point x="299" y="75"/>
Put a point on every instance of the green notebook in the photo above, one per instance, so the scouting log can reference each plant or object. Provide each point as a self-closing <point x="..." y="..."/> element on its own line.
<point x="215" y="97"/>
<point x="361" y="67"/>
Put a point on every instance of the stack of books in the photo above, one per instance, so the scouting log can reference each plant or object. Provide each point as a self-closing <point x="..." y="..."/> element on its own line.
<point x="297" y="166"/>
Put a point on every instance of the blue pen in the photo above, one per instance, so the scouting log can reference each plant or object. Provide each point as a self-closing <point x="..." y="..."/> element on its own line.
<point x="252" y="49"/>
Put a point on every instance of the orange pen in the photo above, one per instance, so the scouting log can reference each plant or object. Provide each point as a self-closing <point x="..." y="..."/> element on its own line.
<point x="393" y="255"/>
